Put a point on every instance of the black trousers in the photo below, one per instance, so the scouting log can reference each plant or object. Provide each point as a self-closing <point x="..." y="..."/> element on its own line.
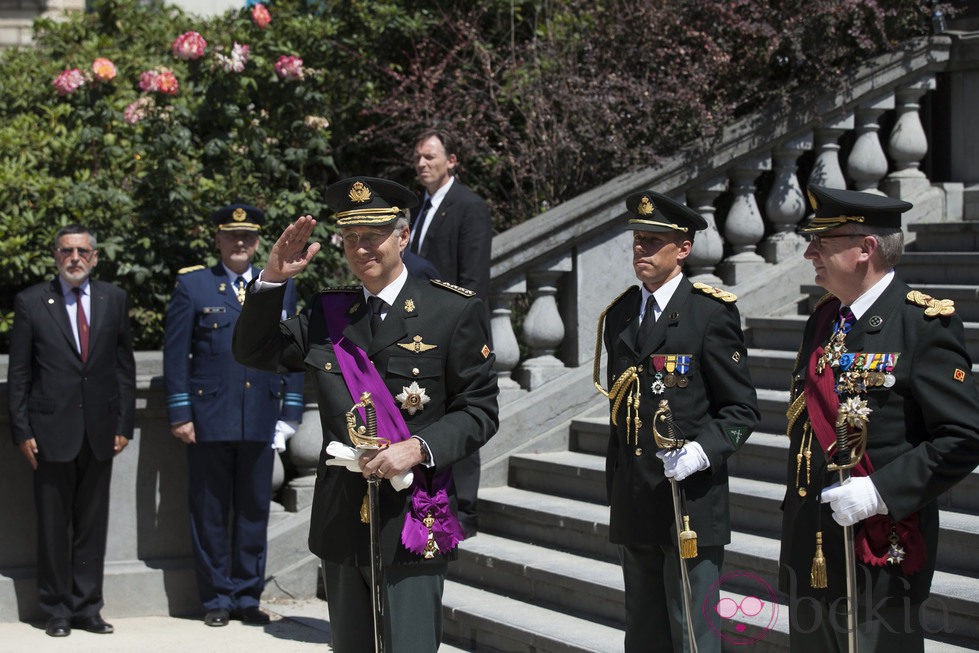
<point x="72" y="501"/>
<point x="413" y="607"/>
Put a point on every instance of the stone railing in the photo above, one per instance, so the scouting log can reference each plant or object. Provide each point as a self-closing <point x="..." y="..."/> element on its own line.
<point x="748" y="184"/>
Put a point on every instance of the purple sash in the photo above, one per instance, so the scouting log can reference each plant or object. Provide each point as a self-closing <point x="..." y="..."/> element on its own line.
<point x="428" y="498"/>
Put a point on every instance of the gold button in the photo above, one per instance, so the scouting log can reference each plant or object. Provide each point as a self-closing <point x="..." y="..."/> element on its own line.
<point x="639" y="369"/>
<point x="248" y="384"/>
<point x="328" y="367"/>
<point x="415" y="371"/>
<point x="214" y="326"/>
<point x="200" y="392"/>
<point x="638" y="451"/>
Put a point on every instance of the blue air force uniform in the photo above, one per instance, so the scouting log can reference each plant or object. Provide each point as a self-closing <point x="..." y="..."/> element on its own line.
<point x="234" y="410"/>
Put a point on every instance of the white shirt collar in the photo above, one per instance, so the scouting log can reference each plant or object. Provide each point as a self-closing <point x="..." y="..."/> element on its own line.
<point x="439" y="195"/>
<point x="863" y="303"/>
<point x="246" y="275"/>
<point x="663" y="294"/>
<point x="66" y="287"/>
<point x="391" y="291"/>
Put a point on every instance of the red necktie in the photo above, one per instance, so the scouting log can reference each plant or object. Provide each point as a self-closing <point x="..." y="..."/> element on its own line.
<point x="82" y="323"/>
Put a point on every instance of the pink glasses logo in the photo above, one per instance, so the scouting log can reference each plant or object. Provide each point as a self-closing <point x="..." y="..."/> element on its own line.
<point x="741" y="620"/>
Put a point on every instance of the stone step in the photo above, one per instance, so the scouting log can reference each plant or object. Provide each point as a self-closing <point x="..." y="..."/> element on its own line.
<point x="771" y="368"/>
<point x="938" y="267"/>
<point x="479" y="620"/>
<point x="945" y="237"/>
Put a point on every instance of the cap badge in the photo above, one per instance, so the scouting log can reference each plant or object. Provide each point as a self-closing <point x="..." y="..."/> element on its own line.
<point x="359" y="193"/>
<point x="239" y="214"/>
<point x="645" y="206"/>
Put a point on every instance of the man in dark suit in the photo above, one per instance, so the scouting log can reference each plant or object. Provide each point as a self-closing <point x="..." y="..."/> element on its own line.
<point x="422" y="350"/>
<point x="454" y="232"/>
<point x="72" y="391"/>
<point x="671" y="340"/>
<point x="881" y="359"/>
<point x="228" y="416"/>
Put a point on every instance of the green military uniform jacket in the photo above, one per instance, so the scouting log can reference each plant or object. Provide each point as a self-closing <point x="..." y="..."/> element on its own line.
<point x="456" y="374"/>
<point x="717" y="408"/>
<point x="923" y="437"/>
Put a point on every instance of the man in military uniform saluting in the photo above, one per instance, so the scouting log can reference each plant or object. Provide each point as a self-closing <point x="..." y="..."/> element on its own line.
<point x="227" y="415"/>
<point x="888" y="363"/>
<point x="421" y="348"/>
<point x="669" y="339"/>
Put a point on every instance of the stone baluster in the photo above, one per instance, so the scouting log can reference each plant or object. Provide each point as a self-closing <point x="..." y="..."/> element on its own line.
<point x="786" y="203"/>
<point x="867" y="164"/>
<point x="744" y="226"/>
<point x="543" y="327"/>
<point x="504" y="339"/>
<point x="826" y="170"/>
<point x="708" y="247"/>
<point x="908" y="143"/>
<point x="304" y="449"/>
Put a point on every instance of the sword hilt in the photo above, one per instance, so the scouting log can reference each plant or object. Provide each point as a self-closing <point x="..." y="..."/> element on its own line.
<point x="365" y="437"/>
<point x="665" y="415"/>
<point x="851" y="435"/>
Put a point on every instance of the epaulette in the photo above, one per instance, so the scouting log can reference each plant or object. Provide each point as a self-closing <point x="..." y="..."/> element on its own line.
<point x="933" y="307"/>
<point x="465" y="292"/>
<point x="716" y="293"/>
<point x="341" y="289"/>
<point x="190" y="268"/>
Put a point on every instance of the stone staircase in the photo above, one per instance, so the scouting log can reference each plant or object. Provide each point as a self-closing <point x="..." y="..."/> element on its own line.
<point x="542" y="577"/>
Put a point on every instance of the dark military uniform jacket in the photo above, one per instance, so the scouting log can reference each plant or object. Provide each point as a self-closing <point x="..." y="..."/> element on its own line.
<point x="456" y="375"/>
<point x="717" y="408"/>
<point x="226" y="401"/>
<point x="923" y="437"/>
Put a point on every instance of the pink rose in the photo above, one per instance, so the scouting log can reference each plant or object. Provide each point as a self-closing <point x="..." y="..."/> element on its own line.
<point x="166" y="82"/>
<point x="103" y="69"/>
<point x="69" y="81"/>
<point x="289" y="67"/>
<point x="236" y="62"/>
<point x="261" y="16"/>
<point x="159" y="80"/>
<point x="189" y="46"/>
<point x="138" y="110"/>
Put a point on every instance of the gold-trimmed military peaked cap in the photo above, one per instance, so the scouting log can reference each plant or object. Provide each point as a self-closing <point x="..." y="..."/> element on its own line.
<point x="368" y="201"/>
<point x="652" y="211"/>
<point x="238" y="217"/>
<point x="834" y="208"/>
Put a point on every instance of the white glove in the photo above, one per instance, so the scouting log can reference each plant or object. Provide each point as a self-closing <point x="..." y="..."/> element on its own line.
<point x="283" y="431"/>
<point x="854" y="501"/>
<point x="681" y="463"/>
<point x="346" y="456"/>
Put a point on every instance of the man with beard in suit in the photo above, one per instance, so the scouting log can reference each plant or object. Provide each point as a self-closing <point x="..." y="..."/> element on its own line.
<point x="72" y="391"/>
<point x="669" y="339"/>
<point x="420" y="348"/>
<point x="880" y="360"/>
<point x="453" y="231"/>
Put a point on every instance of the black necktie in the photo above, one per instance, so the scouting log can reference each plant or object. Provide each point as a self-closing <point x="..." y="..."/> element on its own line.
<point x="648" y="322"/>
<point x="375" y="304"/>
<point x="416" y="229"/>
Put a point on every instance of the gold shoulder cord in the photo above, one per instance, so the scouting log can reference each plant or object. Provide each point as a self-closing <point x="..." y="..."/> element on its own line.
<point x="623" y="384"/>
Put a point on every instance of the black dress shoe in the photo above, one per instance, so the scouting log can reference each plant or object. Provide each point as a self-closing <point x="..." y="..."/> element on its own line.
<point x="58" y="627"/>
<point x="251" y="615"/>
<point x="94" y="624"/>
<point x="217" y="617"/>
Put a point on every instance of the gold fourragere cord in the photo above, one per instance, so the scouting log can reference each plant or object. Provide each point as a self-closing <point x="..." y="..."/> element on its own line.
<point x="625" y="387"/>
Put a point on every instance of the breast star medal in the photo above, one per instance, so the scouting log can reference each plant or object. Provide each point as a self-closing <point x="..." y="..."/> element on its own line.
<point x="413" y="398"/>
